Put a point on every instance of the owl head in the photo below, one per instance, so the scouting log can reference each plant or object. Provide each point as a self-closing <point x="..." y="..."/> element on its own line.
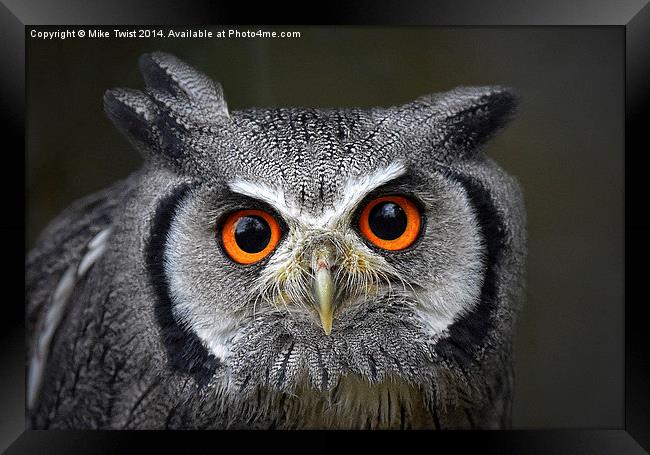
<point x="301" y="247"/>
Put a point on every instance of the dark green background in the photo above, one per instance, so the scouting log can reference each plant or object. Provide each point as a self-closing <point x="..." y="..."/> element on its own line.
<point x="565" y="147"/>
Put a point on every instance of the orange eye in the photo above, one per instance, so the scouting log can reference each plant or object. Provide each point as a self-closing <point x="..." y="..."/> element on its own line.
<point x="390" y="222"/>
<point x="248" y="236"/>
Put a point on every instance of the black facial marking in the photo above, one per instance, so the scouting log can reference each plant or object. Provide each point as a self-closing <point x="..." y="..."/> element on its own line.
<point x="468" y="333"/>
<point x="387" y="220"/>
<point x="252" y="233"/>
<point x="184" y="349"/>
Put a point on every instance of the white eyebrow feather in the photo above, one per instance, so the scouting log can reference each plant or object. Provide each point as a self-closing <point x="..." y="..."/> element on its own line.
<point x="354" y="190"/>
<point x="271" y="195"/>
<point x="261" y="191"/>
<point x="358" y="188"/>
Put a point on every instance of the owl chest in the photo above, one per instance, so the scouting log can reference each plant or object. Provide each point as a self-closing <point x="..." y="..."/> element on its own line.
<point x="351" y="405"/>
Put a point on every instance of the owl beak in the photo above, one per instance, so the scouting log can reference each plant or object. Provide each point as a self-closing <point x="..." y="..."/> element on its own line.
<point x="324" y="290"/>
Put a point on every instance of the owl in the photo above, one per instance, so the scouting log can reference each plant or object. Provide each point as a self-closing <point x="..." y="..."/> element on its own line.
<point x="283" y="268"/>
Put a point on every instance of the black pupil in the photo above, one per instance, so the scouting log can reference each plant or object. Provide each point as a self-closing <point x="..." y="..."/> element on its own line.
<point x="252" y="233"/>
<point x="387" y="220"/>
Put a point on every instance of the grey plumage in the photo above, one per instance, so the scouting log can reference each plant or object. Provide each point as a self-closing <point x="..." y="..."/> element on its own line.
<point x="163" y="330"/>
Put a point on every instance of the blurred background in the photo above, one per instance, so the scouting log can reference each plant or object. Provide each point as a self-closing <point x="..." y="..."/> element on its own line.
<point x="566" y="148"/>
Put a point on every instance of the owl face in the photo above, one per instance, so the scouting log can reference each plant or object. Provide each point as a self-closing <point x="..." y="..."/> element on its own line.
<point x="303" y="246"/>
<point x="326" y="281"/>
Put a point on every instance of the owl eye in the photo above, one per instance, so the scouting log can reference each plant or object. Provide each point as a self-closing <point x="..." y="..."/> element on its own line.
<point x="390" y="222"/>
<point x="248" y="236"/>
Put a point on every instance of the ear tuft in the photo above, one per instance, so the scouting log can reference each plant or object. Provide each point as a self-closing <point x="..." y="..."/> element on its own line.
<point x="174" y="78"/>
<point x="134" y="114"/>
<point x="467" y="117"/>
<point x="178" y="101"/>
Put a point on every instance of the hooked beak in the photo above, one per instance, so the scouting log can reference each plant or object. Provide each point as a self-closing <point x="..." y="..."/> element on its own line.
<point x="324" y="289"/>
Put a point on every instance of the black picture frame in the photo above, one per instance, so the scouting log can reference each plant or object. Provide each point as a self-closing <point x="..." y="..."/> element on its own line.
<point x="632" y="15"/>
